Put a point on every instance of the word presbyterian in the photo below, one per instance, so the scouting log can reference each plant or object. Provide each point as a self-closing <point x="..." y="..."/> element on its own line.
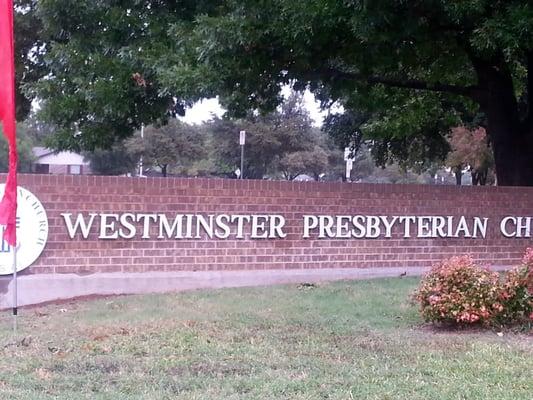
<point x="373" y="226"/>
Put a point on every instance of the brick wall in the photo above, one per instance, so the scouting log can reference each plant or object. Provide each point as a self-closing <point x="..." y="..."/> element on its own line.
<point x="60" y="194"/>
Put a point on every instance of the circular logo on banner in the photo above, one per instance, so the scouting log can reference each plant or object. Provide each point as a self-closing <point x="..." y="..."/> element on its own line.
<point x="32" y="232"/>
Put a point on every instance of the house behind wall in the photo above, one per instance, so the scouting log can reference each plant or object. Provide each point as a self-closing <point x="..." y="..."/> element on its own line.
<point x="48" y="161"/>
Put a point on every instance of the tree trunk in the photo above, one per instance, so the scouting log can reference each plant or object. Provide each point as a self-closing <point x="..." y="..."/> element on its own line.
<point x="513" y="149"/>
<point x="458" y="171"/>
<point x="475" y="177"/>
<point x="164" y="170"/>
<point x="479" y="177"/>
<point x="511" y="136"/>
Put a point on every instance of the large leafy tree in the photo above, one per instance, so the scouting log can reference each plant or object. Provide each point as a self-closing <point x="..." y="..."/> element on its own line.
<point x="100" y="83"/>
<point x="412" y="66"/>
<point x="29" y="52"/>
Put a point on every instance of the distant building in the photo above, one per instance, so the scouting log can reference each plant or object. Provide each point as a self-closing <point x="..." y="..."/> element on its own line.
<point x="59" y="163"/>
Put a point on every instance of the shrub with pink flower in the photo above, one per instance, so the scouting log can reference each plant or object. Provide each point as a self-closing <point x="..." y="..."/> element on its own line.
<point x="527" y="262"/>
<point x="458" y="291"/>
<point x="528" y="257"/>
<point x="516" y="292"/>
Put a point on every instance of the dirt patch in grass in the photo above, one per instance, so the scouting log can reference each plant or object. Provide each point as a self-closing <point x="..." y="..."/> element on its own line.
<point x="517" y="335"/>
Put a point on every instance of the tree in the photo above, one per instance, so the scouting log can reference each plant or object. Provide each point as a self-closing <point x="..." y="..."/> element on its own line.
<point x="470" y="149"/>
<point x="259" y="152"/>
<point x="412" y="67"/>
<point x="38" y="130"/>
<point x="116" y="161"/>
<point x="97" y="86"/>
<point x="172" y="145"/>
<point x="313" y="162"/>
<point x="24" y="149"/>
<point x="267" y="143"/>
<point x="29" y="53"/>
<point x="344" y="129"/>
<point x="418" y="151"/>
<point x="406" y="64"/>
<point x="282" y="142"/>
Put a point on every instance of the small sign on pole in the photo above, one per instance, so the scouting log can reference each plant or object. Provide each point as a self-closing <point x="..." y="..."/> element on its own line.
<point x="349" y="167"/>
<point x="349" y="164"/>
<point x="349" y="159"/>
<point x="242" y="140"/>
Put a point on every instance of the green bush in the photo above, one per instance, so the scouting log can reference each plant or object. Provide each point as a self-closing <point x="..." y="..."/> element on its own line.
<point x="516" y="292"/>
<point x="515" y="296"/>
<point x="458" y="291"/>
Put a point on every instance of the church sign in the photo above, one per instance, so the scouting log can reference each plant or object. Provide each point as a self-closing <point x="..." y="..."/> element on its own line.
<point x="77" y="224"/>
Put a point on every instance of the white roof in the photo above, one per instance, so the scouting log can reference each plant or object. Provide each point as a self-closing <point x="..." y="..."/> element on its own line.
<point x="44" y="155"/>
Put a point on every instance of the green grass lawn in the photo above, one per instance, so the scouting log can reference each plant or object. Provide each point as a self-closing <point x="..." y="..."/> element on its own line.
<point x="348" y="340"/>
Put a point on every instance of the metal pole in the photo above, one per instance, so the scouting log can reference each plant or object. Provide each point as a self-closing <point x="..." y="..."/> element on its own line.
<point x="242" y="161"/>
<point x="15" y="291"/>
<point x="347" y="172"/>
<point x="349" y="167"/>
<point x="141" y="160"/>
<point x="349" y="163"/>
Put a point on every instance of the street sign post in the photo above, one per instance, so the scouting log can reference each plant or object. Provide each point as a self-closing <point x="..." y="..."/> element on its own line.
<point x="349" y="163"/>
<point x="242" y="141"/>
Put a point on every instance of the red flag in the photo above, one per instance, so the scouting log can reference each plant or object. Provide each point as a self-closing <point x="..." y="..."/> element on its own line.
<point x="8" y="206"/>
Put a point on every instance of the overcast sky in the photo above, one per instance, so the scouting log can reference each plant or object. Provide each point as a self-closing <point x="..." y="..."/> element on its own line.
<point x="206" y="109"/>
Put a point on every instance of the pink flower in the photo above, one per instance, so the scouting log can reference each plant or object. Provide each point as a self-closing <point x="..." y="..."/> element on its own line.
<point x="474" y="317"/>
<point x="504" y="295"/>
<point x="497" y="307"/>
<point x="528" y="257"/>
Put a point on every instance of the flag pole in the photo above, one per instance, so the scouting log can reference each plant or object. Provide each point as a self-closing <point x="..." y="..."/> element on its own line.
<point x="8" y="204"/>
<point x="15" y="291"/>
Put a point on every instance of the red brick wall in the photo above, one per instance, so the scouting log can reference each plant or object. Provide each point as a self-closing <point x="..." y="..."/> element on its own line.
<point x="75" y="194"/>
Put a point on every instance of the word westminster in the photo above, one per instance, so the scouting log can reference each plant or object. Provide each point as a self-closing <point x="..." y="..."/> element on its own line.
<point x="262" y="226"/>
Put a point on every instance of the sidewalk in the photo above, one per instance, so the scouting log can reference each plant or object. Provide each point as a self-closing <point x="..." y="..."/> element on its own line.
<point x="34" y="289"/>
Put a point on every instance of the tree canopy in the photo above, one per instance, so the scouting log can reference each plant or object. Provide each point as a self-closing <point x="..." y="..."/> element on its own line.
<point x="172" y="145"/>
<point x="470" y="150"/>
<point x="25" y="143"/>
<point x="415" y="68"/>
<point x="114" y="161"/>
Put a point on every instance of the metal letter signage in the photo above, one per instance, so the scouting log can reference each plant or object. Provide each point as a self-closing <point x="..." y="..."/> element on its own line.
<point x="32" y="232"/>
<point x="267" y="226"/>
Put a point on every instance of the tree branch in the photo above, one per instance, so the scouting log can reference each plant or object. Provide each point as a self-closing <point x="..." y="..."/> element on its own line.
<point x="468" y="91"/>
